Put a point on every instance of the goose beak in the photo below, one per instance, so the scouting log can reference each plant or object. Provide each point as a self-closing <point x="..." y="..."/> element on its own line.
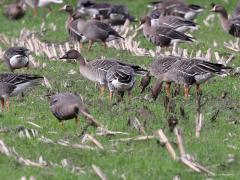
<point x="62" y="9"/>
<point x="63" y="57"/>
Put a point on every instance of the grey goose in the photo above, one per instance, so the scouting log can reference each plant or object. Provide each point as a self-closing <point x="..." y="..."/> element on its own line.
<point x="162" y="35"/>
<point x="13" y="84"/>
<point x="16" y="58"/>
<point x="96" y="70"/>
<point x="185" y="71"/>
<point x="230" y="25"/>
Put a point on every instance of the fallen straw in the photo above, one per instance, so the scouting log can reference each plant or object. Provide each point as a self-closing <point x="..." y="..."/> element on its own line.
<point x="163" y="139"/>
<point x="99" y="172"/>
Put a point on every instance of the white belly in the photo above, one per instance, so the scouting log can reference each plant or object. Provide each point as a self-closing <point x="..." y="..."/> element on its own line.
<point x="43" y="3"/>
<point x="20" y="88"/>
<point x="18" y="61"/>
<point x="202" y="78"/>
<point x="122" y="86"/>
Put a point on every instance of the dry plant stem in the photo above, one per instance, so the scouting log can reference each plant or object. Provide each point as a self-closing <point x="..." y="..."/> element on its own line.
<point x="179" y="134"/>
<point x="94" y="141"/>
<point x="165" y="141"/>
<point x="99" y="172"/>
<point x="199" y="117"/>
<point x="105" y="132"/>
<point x="139" y="138"/>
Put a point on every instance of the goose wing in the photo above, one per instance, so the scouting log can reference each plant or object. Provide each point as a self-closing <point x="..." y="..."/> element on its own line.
<point x="16" y="79"/>
<point x="124" y="74"/>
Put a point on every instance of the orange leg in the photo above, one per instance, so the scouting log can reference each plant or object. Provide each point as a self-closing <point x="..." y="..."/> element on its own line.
<point x="2" y="103"/>
<point x="102" y="89"/>
<point x="81" y="45"/>
<point x="110" y="96"/>
<point x="198" y="89"/>
<point x="61" y="124"/>
<point x="35" y="11"/>
<point x="104" y="44"/>
<point x="8" y="104"/>
<point x="76" y="120"/>
<point x="186" y="91"/>
<point x="90" y="43"/>
<point x="130" y="95"/>
<point x="168" y="86"/>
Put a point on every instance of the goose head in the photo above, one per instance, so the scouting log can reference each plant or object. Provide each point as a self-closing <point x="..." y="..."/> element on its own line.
<point x="217" y="8"/>
<point x="145" y="20"/>
<point x="67" y="8"/>
<point x="73" y="55"/>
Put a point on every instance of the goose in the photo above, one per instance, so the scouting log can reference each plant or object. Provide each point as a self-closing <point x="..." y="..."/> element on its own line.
<point x="41" y="3"/>
<point x="163" y="35"/>
<point x="178" y="8"/>
<point x="92" y="30"/>
<point x="13" y="84"/>
<point x="230" y="25"/>
<point x="66" y="106"/>
<point x="96" y="70"/>
<point x="15" y="11"/>
<point x="16" y="58"/>
<point x="120" y="79"/>
<point x="177" y="23"/>
<point x="92" y="8"/>
<point x="185" y="71"/>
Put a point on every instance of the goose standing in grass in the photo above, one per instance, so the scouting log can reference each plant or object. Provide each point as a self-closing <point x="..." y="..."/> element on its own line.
<point x="96" y="70"/>
<point x="185" y="71"/>
<point x="177" y="23"/>
<point x="66" y="106"/>
<point x="120" y="79"/>
<point x="15" y="11"/>
<point x="16" y="58"/>
<point x="41" y="3"/>
<point x="163" y="35"/>
<point x="230" y="25"/>
<point x="178" y="8"/>
<point x="91" y="30"/>
<point x="13" y="84"/>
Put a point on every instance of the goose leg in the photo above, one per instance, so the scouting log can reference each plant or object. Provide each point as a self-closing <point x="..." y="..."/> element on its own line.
<point x="76" y="120"/>
<point x="168" y="86"/>
<point x="81" y="45"/>
<point x="198" y="89"/>
<point x="102" y="89"/>
<point x="8" y="104"/>
<point x="110" y="96"/>
<point x="49" y="8"/>
<point x="186" y="91"/>
<point x="90" y="43"/>
<point x="35" y="11"/>
<point x="130" y="95"/>
<point x="2" y="103"/>
<point x="61" y="124"/>
<point x="104" y="44"/>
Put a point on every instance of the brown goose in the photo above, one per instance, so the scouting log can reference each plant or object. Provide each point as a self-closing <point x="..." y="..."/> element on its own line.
<point x="120" y="79"/>
<point x="185" y="71"/>
<point x="66" y="106"/>
<point x="14" y="84"/>
<point x="96" y="70"/>
<point x="15" y="11"/>
<point x="177" y="23"/>
<point x="16" y="58"/>
<point x="230" y="25"/>
<point x="162" y="36"/>
<point x="92" y="31"/>
<point x="178" y="8"/>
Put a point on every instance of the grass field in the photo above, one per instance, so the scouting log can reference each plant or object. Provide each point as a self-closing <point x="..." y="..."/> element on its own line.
<point x="217" y="148"/>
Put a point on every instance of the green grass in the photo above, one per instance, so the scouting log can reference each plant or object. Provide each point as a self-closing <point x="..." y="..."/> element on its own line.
<point x="133" y="160"/>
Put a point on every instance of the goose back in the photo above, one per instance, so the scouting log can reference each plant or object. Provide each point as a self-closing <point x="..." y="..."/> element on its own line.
<point x="65" y="106"/>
